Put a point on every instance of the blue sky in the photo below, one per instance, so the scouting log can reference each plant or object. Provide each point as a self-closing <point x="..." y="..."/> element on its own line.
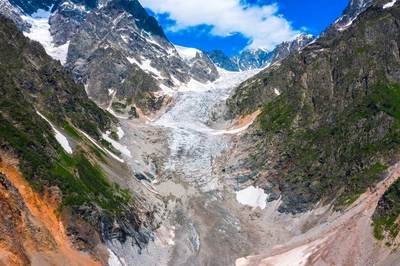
<point x="233" y="25"/>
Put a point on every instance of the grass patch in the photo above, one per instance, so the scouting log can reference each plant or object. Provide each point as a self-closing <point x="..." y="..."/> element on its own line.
<point x="118" y="107"/>
<point x="71" y="131"/>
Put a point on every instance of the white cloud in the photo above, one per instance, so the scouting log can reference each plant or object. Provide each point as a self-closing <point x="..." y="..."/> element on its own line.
<point x="261" y="25"/>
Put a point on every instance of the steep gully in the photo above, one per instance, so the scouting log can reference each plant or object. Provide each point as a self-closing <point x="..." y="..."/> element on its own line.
<point x="205" y="224"/>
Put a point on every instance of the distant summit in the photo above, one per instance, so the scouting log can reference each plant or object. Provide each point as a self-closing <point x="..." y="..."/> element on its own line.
<point x="259" y="58"/>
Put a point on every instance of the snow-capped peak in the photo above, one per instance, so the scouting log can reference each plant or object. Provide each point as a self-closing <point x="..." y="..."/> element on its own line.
<point x="187" y="53"/>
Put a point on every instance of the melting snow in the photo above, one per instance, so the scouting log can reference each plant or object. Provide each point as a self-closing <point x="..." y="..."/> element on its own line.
<point x="252" y="196"/>
<point x="117" y="145"/>
<point x="59" y="136"/>
<point x="40" y="32"/>
<point x="146" y="66"/>
<point x="187" y="53"/>
<point x="133" y="61"/>
<point x="113" y="259"/>
<point x="389" y="4"/>
<point x="101" y="148"/>
<point x="120" y="132"/>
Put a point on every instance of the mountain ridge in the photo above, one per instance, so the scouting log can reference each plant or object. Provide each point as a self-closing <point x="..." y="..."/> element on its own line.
<point x="259" y="58"/>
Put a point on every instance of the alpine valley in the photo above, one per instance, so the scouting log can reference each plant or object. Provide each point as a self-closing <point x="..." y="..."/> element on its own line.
<point x="120" y="148"/>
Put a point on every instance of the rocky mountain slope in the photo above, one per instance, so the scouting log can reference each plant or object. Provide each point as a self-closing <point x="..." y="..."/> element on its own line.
<point x="259" y="58"/>
<point x="329" y="115"/>
<point x="118" y="38"/>
<point x="55" y="173"/>
<point x="350" y="13"/>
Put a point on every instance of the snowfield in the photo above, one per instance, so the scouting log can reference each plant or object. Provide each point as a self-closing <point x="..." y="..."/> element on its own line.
<point x="40" y="32"/>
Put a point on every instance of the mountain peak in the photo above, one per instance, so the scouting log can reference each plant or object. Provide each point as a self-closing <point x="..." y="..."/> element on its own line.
<point x="258" y="58"/>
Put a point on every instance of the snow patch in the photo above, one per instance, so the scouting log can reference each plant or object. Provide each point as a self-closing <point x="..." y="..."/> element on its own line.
<point x="101" y="148"/>
<point x="125" y="39"/>
<point x="133" y="61"/>
<point x="389" y="4"/>
<point x="113" y="259"/>
<point x="117" y="145"/>
<point x="40" y="32"/>
<point x="147" y="67"/>
<point x="187" y="53"/>
<point x="59" y="136"/>
<point x="252" y="196"/>
<point x="120" y="132"/>
<point x="166" y="89"/>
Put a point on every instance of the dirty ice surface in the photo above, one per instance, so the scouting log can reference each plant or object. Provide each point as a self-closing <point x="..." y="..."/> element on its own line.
<point x="193" y="146"/>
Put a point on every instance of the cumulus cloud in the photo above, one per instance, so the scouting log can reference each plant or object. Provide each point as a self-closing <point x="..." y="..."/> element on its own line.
<point x="262" y="25"/>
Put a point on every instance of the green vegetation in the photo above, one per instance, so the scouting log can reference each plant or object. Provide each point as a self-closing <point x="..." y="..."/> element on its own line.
<point x="110" y="147"/>
<point x="30" y="81"/>
<point x="133" y="112"/>
<point x="386" y="224"/>
<point x="114" y="135"/>
<point x="71" y="131"/>
<point x="118" y="107"/>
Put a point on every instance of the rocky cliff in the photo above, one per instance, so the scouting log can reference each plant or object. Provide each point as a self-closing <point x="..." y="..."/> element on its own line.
<point x="329" y="115"/>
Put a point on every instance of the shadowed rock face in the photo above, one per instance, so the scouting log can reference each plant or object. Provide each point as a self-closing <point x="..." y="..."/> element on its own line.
<point x="221" y="60"/>
<point x="333" y="129"/>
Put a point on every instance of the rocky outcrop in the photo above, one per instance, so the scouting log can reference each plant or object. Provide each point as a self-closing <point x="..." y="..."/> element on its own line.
<point x="66" y="21"/>
<point x="350" y="13"/>
<point x="221" y="60"/>
<point x="253" y="59"/>
<point x="120" y="39"/>
<point x="20" y="231"/>
<point x="329" y="122"/>
<point x="13" y="13"/>
<point x="30" y="7"/>
<point x="285" y="48"/>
